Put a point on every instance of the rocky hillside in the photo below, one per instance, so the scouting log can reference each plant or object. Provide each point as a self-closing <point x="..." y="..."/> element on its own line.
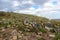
<point x="15" y="26"/>
<point x="56" y="20"/>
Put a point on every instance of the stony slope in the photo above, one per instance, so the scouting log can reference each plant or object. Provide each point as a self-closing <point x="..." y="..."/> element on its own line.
<point x="15" y="26"/>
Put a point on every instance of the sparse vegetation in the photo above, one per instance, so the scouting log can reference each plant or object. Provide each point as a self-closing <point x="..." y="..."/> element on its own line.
<point x="15" y="21"/>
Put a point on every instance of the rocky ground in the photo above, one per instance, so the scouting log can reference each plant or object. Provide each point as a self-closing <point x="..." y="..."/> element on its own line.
<point x="15" y="26"/>
<point x="14" y="34"/>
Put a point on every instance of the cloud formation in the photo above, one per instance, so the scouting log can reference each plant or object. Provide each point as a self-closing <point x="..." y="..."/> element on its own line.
<point x="21" y="4"/>
<point x="40" y="2"/>
<point x="45" y="8"/>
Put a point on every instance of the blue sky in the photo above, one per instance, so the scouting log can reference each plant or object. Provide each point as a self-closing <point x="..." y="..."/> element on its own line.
<point x="36" y="6"/>
<point x="45" y="8"/>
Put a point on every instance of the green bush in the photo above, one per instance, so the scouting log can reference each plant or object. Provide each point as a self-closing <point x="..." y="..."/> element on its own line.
<point x="52" y="30"/>
<point x="43" y="30"/>
<point x="57" y="36"/>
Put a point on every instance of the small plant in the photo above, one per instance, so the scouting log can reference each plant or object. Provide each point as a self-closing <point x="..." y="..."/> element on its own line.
<point x="43" y="30"/>
<point x="41" y="39"/>
<point x="57" y="36"/>
<point x="52" y="30"/>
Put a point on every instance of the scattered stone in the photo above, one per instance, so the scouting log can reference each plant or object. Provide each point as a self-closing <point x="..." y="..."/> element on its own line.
<point x="52" y="35"/>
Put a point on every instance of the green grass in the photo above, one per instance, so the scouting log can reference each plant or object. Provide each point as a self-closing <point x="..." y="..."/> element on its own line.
<point x="17" y="19"/>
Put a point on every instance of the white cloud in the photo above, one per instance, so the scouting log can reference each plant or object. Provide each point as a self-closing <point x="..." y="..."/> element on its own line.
<point x="27" y="11"/>
<point x="46" y="7"/>
<point x="5" y="0"/>
<point x="5" y="9"/>
<point x="40" y="2"/>
<point x="48" y="10"/>
<point x="28" y="1"/>
<point x="15" y="4"/>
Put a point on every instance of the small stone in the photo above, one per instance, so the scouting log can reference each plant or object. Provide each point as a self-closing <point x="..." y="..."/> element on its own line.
<point x="3" y="19"/>
<point x="8" y="26"/>
<point x="3" y="29"/>
<point x="51" y="35"/>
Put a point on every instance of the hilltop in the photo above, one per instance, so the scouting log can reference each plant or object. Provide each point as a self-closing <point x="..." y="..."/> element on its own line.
<point x="18" y="26"/>
<point x="56" y="20"/>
